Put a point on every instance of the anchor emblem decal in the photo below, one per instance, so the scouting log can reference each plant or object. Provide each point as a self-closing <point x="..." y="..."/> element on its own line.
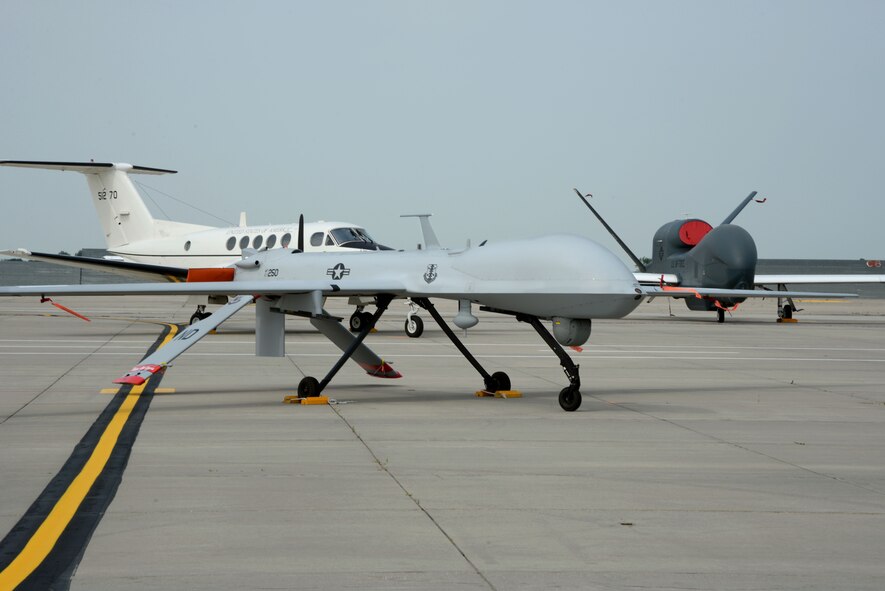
<point x="430" y="274"/>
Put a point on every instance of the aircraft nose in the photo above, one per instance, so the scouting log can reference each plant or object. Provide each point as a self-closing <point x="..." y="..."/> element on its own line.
<point x="727" y="257"/>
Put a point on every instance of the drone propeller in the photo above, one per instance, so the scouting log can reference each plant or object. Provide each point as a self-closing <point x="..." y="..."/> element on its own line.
<point x="300" y="243"/>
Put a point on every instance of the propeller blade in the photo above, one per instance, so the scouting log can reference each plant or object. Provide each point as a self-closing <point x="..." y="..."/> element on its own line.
<point x="301" y="233"/>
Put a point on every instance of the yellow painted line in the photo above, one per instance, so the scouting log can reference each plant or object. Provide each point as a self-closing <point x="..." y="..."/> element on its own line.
<point x="47" y="535"/>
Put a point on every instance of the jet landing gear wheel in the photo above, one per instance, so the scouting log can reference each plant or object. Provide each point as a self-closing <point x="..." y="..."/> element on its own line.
<point x="498" y="381"/>
<point x="308" y="387"/>
<point x="720" y="315"/>
<point x="788" y="312"/>
<point x="414" y="326"/>
<point x="200" y="314"/>
<point x="570" y="399"/>
<point x="358" y="320"/>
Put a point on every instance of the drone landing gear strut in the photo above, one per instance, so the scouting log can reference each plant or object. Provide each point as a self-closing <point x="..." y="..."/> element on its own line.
<point x="495" y="382"/>
<point x="785" y="307"/>
<point x="570" y="396"/>
<point x="309" y="387"/>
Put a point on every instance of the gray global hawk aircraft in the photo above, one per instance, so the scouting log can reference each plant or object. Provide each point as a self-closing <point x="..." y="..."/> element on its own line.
<point x="566" y="279"/>
<point x="690" y="254"/>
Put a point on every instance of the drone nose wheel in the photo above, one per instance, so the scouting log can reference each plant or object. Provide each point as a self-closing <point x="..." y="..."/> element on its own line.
<point x="570" y="399"/>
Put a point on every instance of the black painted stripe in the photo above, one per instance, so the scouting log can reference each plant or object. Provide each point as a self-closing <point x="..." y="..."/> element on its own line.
<point x="56" y="570"/>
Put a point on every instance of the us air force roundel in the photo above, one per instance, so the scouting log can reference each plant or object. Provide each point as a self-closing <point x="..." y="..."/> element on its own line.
<point x="338" y="271"/>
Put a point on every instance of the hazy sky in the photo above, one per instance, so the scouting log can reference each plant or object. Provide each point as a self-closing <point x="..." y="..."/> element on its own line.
<point x="485" y="114"/>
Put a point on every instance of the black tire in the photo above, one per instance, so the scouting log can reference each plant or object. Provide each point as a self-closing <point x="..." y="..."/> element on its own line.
<point x="360" y="319"/>
<point x="197" y="316"/>
<point x="720" y="315"/>
<point x="308" y="387"/>
<point x="414" y="326"/>
<point x="788" y="311"/>
<point x="499" y="381"/>
<point x="570" y="399"/>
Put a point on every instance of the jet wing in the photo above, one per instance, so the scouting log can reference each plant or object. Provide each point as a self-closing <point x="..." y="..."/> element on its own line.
<point x="185" y="339"/>
<point x="711" y="292"/>
<point x="127" y="268"/>
<point x="819" y="279"/>
<point x="231" y="288"/>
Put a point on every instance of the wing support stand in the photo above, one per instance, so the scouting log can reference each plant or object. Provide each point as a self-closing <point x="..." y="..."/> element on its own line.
<point x="309" y="387"/>
<point x="496" y="382"/>
<point x="570" y="396"/>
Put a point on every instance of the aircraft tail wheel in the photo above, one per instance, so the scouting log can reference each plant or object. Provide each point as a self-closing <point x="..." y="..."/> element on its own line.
<point x="308" y="387"/>
<point x="788" y="311"/>
<point x="498" y="381"/>
<point x="720" y="315"/>
<point x="570" y="399"/>
<point x="414" y="326"/>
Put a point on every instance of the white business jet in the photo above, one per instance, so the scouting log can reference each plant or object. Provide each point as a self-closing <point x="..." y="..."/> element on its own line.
<point x="149" y="248"/>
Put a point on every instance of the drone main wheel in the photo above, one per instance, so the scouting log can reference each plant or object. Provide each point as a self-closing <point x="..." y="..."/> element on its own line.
<point x="570" y="399"/>
<point x="499" y="381"/>
<point x="414" y="326"/>
<point x="308" y="387"/>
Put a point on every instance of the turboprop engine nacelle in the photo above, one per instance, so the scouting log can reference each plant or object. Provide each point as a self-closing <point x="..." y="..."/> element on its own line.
<point x="571" y="332"/>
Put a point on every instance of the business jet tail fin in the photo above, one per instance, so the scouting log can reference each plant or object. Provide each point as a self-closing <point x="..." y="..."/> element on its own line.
<point x="123" y="214"/>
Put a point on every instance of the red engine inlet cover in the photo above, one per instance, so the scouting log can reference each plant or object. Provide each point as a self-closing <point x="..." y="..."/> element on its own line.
<point x="692" y="231"/>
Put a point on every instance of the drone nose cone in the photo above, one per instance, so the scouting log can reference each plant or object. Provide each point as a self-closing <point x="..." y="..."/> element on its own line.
<point x="727" y="257"/>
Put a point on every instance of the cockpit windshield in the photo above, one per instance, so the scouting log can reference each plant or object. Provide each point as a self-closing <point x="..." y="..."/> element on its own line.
<point x="344" y="235"/>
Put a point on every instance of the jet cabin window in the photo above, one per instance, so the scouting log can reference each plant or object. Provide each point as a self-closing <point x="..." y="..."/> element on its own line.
<point x="231" y="242"/>
<point x="187" y="245"/>
<point x="256" y="244"/>
<point x="316" y="239"/>
<point x="244" y="242"/>
<point x="285" y="240"/>
<point x="271" y="241"/>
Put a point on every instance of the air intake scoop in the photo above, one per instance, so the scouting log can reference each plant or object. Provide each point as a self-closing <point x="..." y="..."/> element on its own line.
<point x="692" y="231"/>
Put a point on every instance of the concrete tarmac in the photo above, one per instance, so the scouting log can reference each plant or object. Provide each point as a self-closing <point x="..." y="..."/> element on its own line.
<point x="746" y="455"/>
